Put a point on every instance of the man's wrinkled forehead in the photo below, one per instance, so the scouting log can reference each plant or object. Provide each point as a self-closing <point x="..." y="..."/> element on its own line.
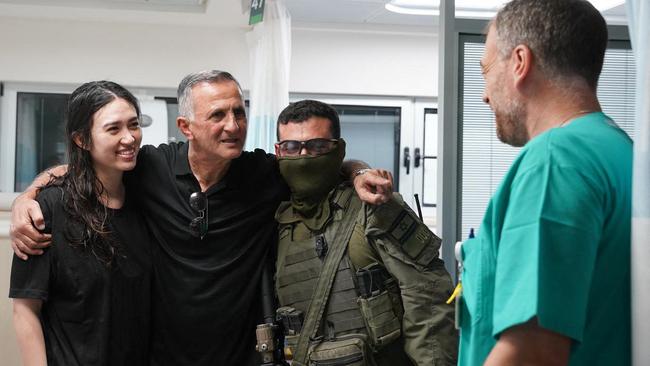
<point x="225" y="94"/>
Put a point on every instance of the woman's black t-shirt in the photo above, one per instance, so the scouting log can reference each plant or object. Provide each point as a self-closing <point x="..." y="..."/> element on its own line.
<point x="92" y="314"/>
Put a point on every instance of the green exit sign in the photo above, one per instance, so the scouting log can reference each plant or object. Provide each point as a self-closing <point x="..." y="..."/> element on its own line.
<point x="257" y="11"/>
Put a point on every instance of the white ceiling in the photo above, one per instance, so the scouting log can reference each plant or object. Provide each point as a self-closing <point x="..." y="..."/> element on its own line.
<point x="352" y="12"/>
<point x="228" y="13"/>
<point x="217" y="13"/>
<point x="212" y="13"/>
<point x="374" y="12"/>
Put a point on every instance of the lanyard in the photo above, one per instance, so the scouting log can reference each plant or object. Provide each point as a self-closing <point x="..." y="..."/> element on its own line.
<point x="458" y="291"/>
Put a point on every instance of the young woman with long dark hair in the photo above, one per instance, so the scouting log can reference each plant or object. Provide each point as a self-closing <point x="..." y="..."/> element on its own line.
<point x="85" y="301"/>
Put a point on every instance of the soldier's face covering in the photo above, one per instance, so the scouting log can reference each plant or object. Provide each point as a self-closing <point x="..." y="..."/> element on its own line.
<point x="310" y="178"/>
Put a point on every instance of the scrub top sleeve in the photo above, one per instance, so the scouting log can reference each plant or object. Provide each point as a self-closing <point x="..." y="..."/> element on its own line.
<point x="547" y="250"/>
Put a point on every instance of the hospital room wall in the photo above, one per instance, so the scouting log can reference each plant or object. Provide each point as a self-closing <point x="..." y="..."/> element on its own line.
<point x="324" y="60"/>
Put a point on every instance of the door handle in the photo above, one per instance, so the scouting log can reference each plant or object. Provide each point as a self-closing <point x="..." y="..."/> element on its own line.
<point x="417" y="157"/>
<point x="407" y="160"/>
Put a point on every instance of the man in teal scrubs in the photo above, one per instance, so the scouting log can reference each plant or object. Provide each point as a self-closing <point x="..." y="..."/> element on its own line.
<point x="546" y="280"/>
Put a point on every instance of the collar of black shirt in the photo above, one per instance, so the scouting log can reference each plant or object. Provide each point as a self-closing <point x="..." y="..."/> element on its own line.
<point x="182" y="168"/>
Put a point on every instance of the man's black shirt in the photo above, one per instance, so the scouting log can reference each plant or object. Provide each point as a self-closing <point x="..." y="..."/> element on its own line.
<point x="92" y="314"/>
<point x="206" y="299"/>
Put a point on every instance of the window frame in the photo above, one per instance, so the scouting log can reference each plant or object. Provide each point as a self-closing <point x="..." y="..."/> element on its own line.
<point x="8" y="130"/>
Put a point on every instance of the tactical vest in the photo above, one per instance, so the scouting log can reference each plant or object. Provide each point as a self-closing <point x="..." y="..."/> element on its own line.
<point x="347" y="317"/>
<point x="299" y="267"/>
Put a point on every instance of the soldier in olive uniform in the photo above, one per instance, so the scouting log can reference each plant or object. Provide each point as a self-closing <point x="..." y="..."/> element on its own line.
<point x="357" y="284"/>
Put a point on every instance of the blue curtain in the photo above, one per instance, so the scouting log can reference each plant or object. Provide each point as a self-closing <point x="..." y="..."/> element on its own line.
<point x="639" y="26"/>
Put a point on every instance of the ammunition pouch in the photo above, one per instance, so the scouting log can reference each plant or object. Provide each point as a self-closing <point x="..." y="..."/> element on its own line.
<point x="371" y="280"/>
<point x="352" y="351"/>
<point x="291" y="319"/>
<point x="381" y="313"/>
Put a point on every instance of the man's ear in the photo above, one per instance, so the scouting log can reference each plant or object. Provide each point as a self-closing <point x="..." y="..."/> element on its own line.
<point x="76" y="137"/>
<point x="183" y="125"/>
<point x="522" y="63"/>
<point x="277" y="150"/>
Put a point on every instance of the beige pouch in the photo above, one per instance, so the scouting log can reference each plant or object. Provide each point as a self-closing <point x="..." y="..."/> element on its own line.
<point x="382" y="324"/>
<point x="345" y="352"/>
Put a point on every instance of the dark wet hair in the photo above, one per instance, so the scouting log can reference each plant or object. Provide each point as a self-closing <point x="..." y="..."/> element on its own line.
<point x="82" y="188"/>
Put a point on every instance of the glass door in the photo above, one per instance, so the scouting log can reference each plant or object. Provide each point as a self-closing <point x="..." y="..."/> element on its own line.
<point x="424" y="161"/>
<point x="40" y="135"/>
<point x="372" y="135"/>
<point x="32" y="131"/>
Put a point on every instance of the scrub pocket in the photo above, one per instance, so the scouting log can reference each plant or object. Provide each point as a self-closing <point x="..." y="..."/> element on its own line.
<point x="473" y="282"/>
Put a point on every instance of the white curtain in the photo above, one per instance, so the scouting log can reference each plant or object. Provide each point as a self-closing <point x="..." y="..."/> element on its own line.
<point x="269" y="45"/>
<point x="638" y="14"/>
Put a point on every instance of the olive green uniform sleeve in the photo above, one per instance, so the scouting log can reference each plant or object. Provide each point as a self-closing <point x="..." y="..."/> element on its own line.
<point x="410" y="253"/>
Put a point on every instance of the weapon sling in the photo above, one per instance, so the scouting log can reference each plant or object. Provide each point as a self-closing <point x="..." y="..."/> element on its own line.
<point x="325" y="281"/>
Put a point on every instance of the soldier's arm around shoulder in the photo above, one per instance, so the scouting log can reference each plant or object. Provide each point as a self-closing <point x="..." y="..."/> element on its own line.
<point x="410" y="252"/>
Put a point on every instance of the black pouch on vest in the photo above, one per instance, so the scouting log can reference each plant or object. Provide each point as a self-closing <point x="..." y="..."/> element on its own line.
<point x="291" y="319"/>
<point x="371" y="280"/>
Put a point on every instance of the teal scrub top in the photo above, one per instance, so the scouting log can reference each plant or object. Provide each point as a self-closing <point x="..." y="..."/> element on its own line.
<point x="555" y="244"/>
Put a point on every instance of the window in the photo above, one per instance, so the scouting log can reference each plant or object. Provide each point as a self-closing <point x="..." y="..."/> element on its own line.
<point x="174" y="135"/>
<point x="40" y="131"/>
<point x="372" y="134"/>
<point x="40" y="135"/>
<point x="485" y="159"/>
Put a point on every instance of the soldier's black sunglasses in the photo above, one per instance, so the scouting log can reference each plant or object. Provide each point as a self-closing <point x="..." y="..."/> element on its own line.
<point x="313" y="147"/>
<point x="199" y="224"/>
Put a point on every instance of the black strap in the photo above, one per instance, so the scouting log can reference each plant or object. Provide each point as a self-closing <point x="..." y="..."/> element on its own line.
<point x="325" y="281"/>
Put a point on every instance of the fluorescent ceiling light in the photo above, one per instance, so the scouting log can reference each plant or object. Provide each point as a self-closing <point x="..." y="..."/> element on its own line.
<point x="480" y="4"/>
<point x="470" y="8"/>
<point x="604" y="5"/>
<point x="413" y="7"/>
<point x="432" y="7"/>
